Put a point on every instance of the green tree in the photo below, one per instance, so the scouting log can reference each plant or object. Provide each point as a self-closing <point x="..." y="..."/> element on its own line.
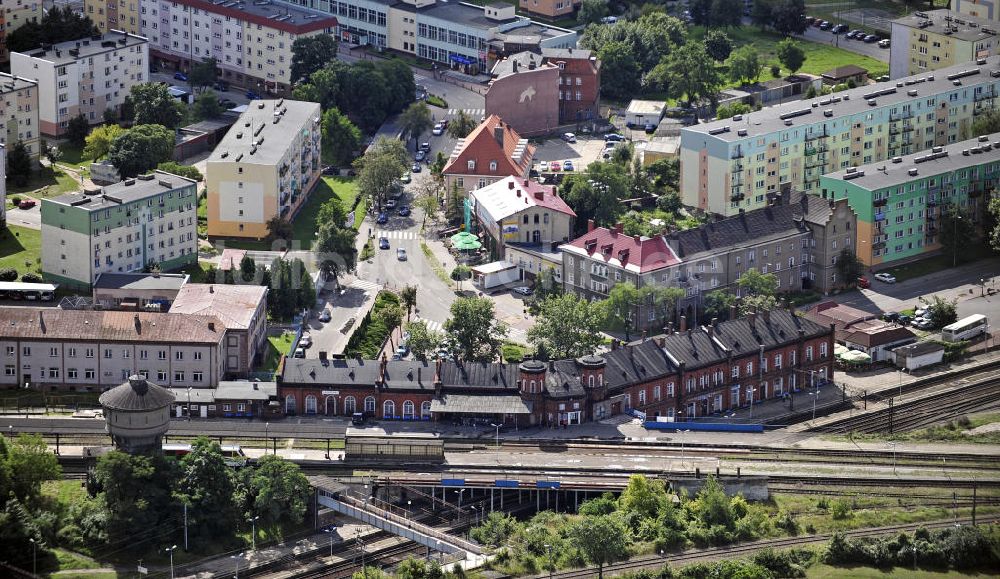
<point x="718" y="45"/>
<point x="595" y="194"/>
<point x="716" y="304"/>
<point x="390" y="316"/>
<point x="849" y="267"/>
<point x="278" y="228"/>
<point x="460" y="126"/>
<point x="662" y="300"/>
<point x="758" y="291"/>
<point x="206" y="106"/>
<point x="416" y="120"/>
<point x="712" y="506"/>
<point x="278" y="490"/>
<point x="31" y="277"/>
<point x="745" y="65"/>
<point x="701" y="12"/>
<point x="791" y="55"/>
<point x="423" y="341"/>
<point x="647" y="497"/>
<point x="461" y="273"/>
<point x="603" y="539"/>
<point x="136" y="491"/>
<point x="248" y="270"/>
<point x="760" y="16"/>
<point x="152" y="104"/>
<point x="666" y="174"/>
<point x="726" y="13"/>
<point x="419" y="569"/>
<point x="942" y="312"/>
<point x="475" y="329"/>
<point x="203" y="74"/>
<point x="591" y="11"/>
<point x="987" y="124"/>
<point x="206" y="486"/>
<point x="336" y="250"/>
<point x="98" y="142"/>
<point x="370" y="573"/>
<point x="380" y="169"/>
<point x="620" y="73"/>
<point x="408" y="296"/>
<point x="141" y="149"/>
<point x="311" y="53"/>
<point x="332" y="211"/>
<point x="568" y="326"/>
<point x="341" y="137"/>
<point x="955" y="233"/>
<point x="20" y="535"/>
<point x="19" y="164"/>
<point x="77" y="129"/>
<point x="31" y="463"/>
<point x="787" y="17"/>
<point x="689" y="72"/>
<point x="496" y="530"/>
<point x="55" y="26"/>
<point x="187" y="171"/>
<point x="729" y="111"/>
<point x="620" y="307"/>
<point x="993" y="214"/>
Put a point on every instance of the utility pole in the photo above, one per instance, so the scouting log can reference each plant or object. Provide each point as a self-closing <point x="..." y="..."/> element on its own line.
<point x="185" y="526"/>
<point x="890" y="415"/>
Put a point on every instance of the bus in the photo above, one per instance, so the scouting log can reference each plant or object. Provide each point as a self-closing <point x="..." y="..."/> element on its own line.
<point x="10" y="290"/>
<point x="965" y="329"/>
<point x="232" y="453"/>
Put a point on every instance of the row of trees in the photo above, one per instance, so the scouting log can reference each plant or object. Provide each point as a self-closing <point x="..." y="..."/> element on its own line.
<point x="291" y="287"/>
<point x="368" y="92"/>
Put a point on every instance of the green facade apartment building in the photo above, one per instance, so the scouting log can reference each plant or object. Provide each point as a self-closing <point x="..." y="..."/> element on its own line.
<point x="124" y="227"/>
<point x="735" y="164"/>
<point x="899" y="202"/>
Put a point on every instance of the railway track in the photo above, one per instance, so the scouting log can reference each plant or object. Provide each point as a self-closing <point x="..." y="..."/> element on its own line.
<point x="733" y="551"/>
<point x="932" y="409"/>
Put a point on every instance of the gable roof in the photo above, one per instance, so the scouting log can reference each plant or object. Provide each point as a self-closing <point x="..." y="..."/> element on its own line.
<point x="108" y="326"/>
<point x="633" y="253"/>
<point x="840" y="315"/>
<point x="513" y="156"/>
<point x="512" y="195"/>
<point x="873" y="333"/>
<point x="844" y="71"/>
<point x="636" y="364"/>
<point x="772" y="222"/>
<point x="235" y="305"/>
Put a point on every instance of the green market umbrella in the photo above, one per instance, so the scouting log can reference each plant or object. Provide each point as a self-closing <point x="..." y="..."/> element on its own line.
<point x="464" y="241"/>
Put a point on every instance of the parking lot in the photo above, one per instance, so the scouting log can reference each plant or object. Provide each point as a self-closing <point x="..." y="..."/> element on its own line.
<point x="582" y="153"/>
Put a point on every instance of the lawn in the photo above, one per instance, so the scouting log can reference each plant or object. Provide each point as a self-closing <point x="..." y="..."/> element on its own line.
<point x="70" y="155"/>
<point x="821" y="571"/>
<point x="819" y="57"/>
<point x="46" y="182"/>
<point x="938" y="263"/>
<point x="21" y="249"/>
<point x="198" y="272"/>
<point x="277" y="347"/>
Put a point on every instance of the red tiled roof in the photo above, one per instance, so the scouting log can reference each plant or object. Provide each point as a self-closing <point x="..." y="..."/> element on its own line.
<point x="483" y="147"/>
<point x="634" y="253"/>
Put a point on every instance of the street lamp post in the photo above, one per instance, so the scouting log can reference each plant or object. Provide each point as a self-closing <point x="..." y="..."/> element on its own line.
<point x="236" y="558"/>
<point x="34" y="557"/>
<point x="266" y="426"/>
<point x="684" y="432"/>
<point x="893" y="445"/>
<point x="814" y="395"/>
<point x="253" y="531"/>
<point x="331" y="529"/>
<point x="171" y="551"/>
<point x="497" y="446"/>
<point x="753" y="394"/>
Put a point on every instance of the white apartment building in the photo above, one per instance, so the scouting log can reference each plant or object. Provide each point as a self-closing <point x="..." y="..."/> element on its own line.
<point x="3" y="187"/>
<point x="124" y="227"/>
<point x="19" y="112"/>
<point x="85" y="76"/>
<point x="90" y="351"/>
<point x="251" y="41"/>
<point x="266" y="165"/>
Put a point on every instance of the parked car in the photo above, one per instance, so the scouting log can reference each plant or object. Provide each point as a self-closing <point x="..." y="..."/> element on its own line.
<point x="357" y="419"/>
<point x="890" y="316"/>
<point x="523" y="290"/>
<point x="809" y="20"/>
<point x="402" y="350"/>
<point x="863" y="282"/>
<point x="325" y="316"/>
<point x="650" y="127"/>
<point x="306" y="340"/>
<point x="555" y="166"/>
<point x="226" y="104"/>
<point x="382" y="218"/>
<point x="922" y="324"/>
<point x="420" y="156"/>
<point x="383" y="243"/>
<point x="444" y="123"/>
<point x="613" y="138"/>
<point x="406" y="178"/>
<point x="885" y="277"/>
<point x="825" y="25"/>
<point x="416" y="168"/>
<point x="180" y="76"/>
<point x="904" y="320"/>
<point x="839" y="29"/>
<point x="871" y="38"/>
<point x="404" y="210"/>
<point x="251" y="95"/>
<point x="567" y="166"/>
<point x="609" y="20"/>
<point x="438" y="130"/>
<point x="425" y="147"/>
<point x="26" y="204"/>
<point x="390" y="203"/>
<point x="884" y="43"/>
<point x="569" y="137"/>
<point x="299" y="353"/>
<point x="401" y="254"/>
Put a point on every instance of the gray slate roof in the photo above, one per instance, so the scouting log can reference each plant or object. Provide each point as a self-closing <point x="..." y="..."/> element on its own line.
<point x="769" y="222"/>
<point x="136" y="395"/>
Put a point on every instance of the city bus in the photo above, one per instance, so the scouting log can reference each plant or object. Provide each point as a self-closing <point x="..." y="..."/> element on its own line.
<point x="10" y="290"/>
<point x="232" y="453"/>
<point x="965" y="329"/>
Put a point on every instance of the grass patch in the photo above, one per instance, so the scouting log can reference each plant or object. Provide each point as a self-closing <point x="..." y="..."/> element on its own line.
<point x="277" y="346"/>
<point x="368" y="251"/>
<point x="436" y="101"/>
<point x="939" y="262"/>
<point x="952" y="431"/>
<point x="512" y="352"/>
<point x="64" y="492"/>
<point x="21" y="249"/>
<point x="305" y="226"/>
<point x="46" y="182"/>
<point x="435" y="264"/>
<point x="69" y="561"/>
<point x="198" y="272"/>
<point x="821" y="571"/>
<point x="70" y="155"/>
<point x="85" y="575"/>
<point x="819" y="57"/>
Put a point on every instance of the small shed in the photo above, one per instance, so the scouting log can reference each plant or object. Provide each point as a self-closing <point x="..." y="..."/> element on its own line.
<point x="842" y="74"/>
<point x="640" y="112"/>
<point x="497" y="273"/>
<point x="919" y="355"/>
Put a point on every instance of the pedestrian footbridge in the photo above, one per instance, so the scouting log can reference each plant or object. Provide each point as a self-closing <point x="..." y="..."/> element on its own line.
<point x="337" y="497"/>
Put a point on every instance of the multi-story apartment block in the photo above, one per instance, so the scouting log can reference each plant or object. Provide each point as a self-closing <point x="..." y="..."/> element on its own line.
<point x="91" y="351"/>
<point x="265" y="166"/>
<point x="149" y="220"/>
<point x="733" y="164"/>
<point x="491" y="152"/>
<point x="550" y="8"/>
<point x="579" y="83"/>
<point x="925" y="41"/>
<point x="110" y="15"/>
<point x="988" y="9"/>
<point x="87" y="76"/>
<point x="781" y="239"/>
<point x="13" y="15"/>
<point x="250" y="41"/>
<point x="19" y="112"/>
<point x="899" y="202"/>
<point x="3" y="187"/>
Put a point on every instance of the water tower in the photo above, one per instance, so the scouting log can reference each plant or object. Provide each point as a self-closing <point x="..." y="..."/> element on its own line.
<point x="137" y="414"/>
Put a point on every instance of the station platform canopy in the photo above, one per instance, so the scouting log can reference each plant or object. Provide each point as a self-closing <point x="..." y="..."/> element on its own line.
<point x="486" y="404"/>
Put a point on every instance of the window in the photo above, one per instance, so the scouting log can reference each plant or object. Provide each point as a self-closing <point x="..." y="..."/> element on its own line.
<point x="370" y="405"/>
<point x="197" y="376"/>
<point x="656" y="392"/>
<point x="642" y="396"/>
<point x="777" y="361"/>
<point x="107" y="353"/>
<point x="89" y="374"/>
<point x="749" y="368"/>
<point x="809" y="353"/>
<point x="822" y="350"/>
<point x="178" y="355"/>
<point x="162" y="355"/>
<point x="178" y="376"/>
<point x="736" y="371"/>
<point x="8" y="370"/>
<point x="670" y="389"/>
<point x="408" y="409"/>
<point x="388" y="409"/>
<point x="53" y="352"/>
<point x="161" y="376"/>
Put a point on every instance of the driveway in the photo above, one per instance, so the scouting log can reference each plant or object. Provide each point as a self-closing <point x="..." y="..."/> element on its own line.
<point x="582" y="153"/>
<point x="29" y="218"/>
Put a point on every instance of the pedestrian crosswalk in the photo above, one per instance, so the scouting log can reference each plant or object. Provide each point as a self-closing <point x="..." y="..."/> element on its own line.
<point x="474" y="113"/>
<point x="365" y="285"/>
<point x="431" y="324"/>
<point x="395" y="234"/>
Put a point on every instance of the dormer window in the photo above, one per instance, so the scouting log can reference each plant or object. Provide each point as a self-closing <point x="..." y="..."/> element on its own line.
<point x="472" y="165"/>
<point x="493" y="166"/>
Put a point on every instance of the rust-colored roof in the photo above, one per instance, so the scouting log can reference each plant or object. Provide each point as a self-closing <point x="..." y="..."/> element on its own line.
<point x="235" y="305"/>
<point x="87" y="325"/>
<point x="482" y="146"/>
<point x="631" y="252"/>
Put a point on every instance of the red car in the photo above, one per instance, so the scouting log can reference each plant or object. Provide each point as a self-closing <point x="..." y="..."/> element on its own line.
<point x="863" y="283"/>
<point x="26" y="204"/>
<point x="555" y="166"/>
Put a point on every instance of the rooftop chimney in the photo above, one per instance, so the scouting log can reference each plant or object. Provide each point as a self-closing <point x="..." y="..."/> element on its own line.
<point x="211" y="326"/>
<point x="498" y="133"/>
<point x="211" y="289"/>
<point x="617" y="228"/>
<point x="510" y="184"/>
<point x="636" y="238"/>
<point x="752" y="316"/>
<point x="590" y="225"/>
<point x="684" y="324"/>
<point x="767" y="316"/>
<point x="540" y="195"/>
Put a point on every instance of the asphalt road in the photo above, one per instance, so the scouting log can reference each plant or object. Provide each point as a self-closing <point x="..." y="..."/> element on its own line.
<point x="30" y="218"/>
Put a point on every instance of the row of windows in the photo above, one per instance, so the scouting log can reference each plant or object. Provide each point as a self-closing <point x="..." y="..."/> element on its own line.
<point x="71" y="352"/>
<point x="91" y="374"/>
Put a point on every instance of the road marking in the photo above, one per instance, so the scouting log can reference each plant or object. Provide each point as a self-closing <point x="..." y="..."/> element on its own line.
<point x="470" y="112"/>
<point x="365" y="285"/>
<point x="431" y="324"/>
<point x="395" y="234"/>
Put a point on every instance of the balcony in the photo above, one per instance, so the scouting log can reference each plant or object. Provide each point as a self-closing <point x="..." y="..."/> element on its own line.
<point x="985" y="95"/>
<point x="880" y="202"/>
<point x="817" y="135"/>
<point x="900" y="116"/>
<point x="737" y="197"/>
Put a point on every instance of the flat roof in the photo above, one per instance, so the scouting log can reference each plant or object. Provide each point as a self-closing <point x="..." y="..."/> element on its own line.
<point x="271" y="13"/>
<point x="646" y="107"/>
<point x="493" y="267"/>
<point x="141" y="281"/>
<point x="960" y="26"/>
<point x="11" y="83"/>
<point x="457" y="12"/>
<point x="247" y="142"/>
<point x="87" y="47"/>
<point x="245" y="390"/>
<point x="124" y="192"/>
<point x="27" y="287"/>
<point x="849" y="102"/>
<point x="935" y="161"/>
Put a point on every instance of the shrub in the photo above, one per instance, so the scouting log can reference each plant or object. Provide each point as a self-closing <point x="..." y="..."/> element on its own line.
<point x="15" y="200"/>
<point x="786" y="521"/>
<point x="182" y="170"/>
<point x="823" y="504"/>
<point x="8" y="274"/>
<point x="436" y="101"/>
<point x="31" y="277"/>
<point x="775" y="70"/>
<point x="840" y="509"/>
<point x="811" y="93"/>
